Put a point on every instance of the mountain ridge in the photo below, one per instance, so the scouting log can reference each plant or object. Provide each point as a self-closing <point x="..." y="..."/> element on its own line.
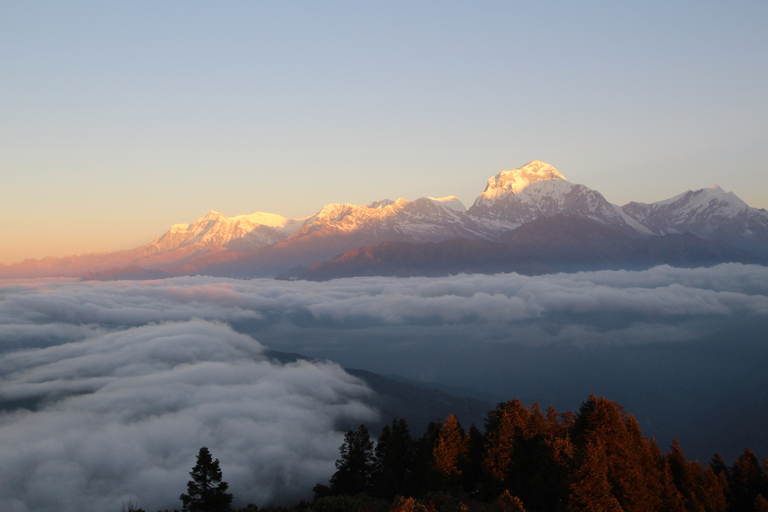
<point x="264" y="244"/>
<point x="547" y="245"/>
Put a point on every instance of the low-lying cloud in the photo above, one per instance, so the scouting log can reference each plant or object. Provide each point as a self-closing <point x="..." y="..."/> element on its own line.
<point x="122" y="415"/>
<point x="662" y="292"/>
<point x="109" y="389"/>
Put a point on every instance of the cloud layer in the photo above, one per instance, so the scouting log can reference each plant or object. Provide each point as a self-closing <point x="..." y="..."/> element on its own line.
<point x="662" y="293"/>
<point x="109" y="389"/>
<point x="123" y="414"/>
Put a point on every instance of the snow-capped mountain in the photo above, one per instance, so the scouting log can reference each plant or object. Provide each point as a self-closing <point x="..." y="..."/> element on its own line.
<point x="338" y="228"/>
<point x="560" y="243"/>
<point x="711" y="213"/>
<point x="267" y="244"/>
<point x="516" y="197"/>
<point x="421" y="220"/>
<point x="216" y="231"/>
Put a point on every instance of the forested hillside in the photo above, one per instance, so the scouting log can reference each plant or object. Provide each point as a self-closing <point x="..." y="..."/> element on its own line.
<point x="528" y="459"/>
<point x="596" y="460"/>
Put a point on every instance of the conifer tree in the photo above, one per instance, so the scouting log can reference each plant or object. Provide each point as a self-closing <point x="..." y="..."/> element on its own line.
<point x="425" y="478"/>
<point x="393" y="460"/>
<point x="671" y="499"/>
<point x="713" y="495"/>
<point x="684" y="474"/>
<point x="354" y="468"/>
<point x="590" y="489"/>
<point x="749" y="481"/>
<point x="504" y="423"/>
<point x="472" y="469"/>
<point x="206" y="492"/>
<point x="450" y="450"/>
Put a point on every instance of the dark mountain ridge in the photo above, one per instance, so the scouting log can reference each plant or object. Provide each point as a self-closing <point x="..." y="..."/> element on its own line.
<point x="560" y="243"/>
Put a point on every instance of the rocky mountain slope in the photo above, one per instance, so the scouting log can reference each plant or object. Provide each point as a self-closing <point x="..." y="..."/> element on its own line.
<point x="559" y="243"/>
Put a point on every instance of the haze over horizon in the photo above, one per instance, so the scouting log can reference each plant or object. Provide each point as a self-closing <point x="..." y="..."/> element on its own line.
<point x="121" y="120"/>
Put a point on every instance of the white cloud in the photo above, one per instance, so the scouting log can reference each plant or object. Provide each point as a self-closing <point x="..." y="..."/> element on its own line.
<point x="126" y="380"/>
<point x="123" y="414"/>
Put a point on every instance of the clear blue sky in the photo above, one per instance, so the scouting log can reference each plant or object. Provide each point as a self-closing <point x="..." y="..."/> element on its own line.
<point x="118" y="119"/>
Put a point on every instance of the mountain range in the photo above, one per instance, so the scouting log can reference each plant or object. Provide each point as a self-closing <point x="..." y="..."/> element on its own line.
<point x="530" y="219"/>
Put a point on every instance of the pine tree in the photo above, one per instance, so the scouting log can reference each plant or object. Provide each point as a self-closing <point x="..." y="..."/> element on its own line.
<point x="206" y="492"/>
<point x="394" y="460"/>
<point x="354" y="469"/>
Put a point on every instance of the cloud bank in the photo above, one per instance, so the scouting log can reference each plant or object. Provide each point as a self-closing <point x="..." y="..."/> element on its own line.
<point x="123" y="414"/>
<point x="109" y="389"/>
<point x="665" y="291"/>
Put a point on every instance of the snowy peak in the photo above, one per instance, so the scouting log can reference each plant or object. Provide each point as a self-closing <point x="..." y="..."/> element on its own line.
<point x="215" y="231"/>
<point x="710" y="213"/>
<point x="516" y="180"/>
<point x="689" y="206"/>
<point x="423" y="219"/>
<point x="511" y="199"/>
<point x="516" y="197"/>
<point x="451" y="202"/>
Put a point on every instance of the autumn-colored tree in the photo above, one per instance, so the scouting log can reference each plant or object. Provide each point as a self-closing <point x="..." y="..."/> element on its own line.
<point x="589" y="488"/>
<point x="684" y="474"/>
<point x="603" y="419"/>
<point x="671" y="500"/>
<point x="403" y="504"/>
<point x="643" y="491"/>
<point x="536" y="425"/>
<point x="748" y="481"/>
<point x="713" y="492"/>
<point x="761" y="504"/>
<point x="451" y="449"/>
<point x="508" y="503"/>
<point x="503" y="424"/>
<point x="597" y="460"/>
<point x="558" y="423"/>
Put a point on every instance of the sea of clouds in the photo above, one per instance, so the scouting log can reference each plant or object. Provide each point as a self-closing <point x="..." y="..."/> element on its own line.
<point x="110" y="388"/>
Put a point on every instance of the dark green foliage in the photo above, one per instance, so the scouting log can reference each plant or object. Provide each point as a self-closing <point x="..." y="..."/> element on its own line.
<point x="354" y="469"/>
<point x="425" y="477"/>
<point x="206" y="492"/>
<point x="472" y="467"/>
<point x="394" y="461"/>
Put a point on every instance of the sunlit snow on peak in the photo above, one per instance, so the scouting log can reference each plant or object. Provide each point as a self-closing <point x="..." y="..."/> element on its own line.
<point x="516" y="180"/>
<point x="451" y="202"/>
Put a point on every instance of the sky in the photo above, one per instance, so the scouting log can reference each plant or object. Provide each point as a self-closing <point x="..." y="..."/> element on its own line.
<point x="110" y="388"/>
<point x="121" y="119"/>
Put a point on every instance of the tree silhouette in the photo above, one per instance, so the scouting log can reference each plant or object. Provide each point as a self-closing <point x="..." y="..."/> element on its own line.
<point x="393" y="460"/>
<point x="206" y="492"/>
<point x="355" y="467"/>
